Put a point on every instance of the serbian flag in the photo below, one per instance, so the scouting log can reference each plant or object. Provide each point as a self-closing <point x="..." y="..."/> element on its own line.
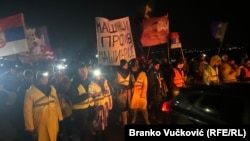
<point x="218" y="30"/>
<point x="155" y="31"/>
<point x="175" y="40"/>
<point x="12" y="35"/>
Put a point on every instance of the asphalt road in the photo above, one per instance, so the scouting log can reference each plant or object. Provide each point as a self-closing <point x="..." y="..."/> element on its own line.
<point x="115" y="131"/>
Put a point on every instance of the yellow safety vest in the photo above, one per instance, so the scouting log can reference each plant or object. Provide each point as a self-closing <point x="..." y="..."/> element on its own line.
<point x="41" y="105"/>
<point x="86" y="103"/>
<point x="100" y="99"/>
<point x="123" y="81"/>
<point x="213" y="74"/>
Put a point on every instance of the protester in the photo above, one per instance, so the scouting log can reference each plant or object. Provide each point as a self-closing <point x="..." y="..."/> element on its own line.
<point x="42" y="111"/>
<point x="123" y="85"/>
<point x="157" y="90"/>
<point x="211" y="72"/>
<point x="82" y="101"/>
<point x="139" y="95"/>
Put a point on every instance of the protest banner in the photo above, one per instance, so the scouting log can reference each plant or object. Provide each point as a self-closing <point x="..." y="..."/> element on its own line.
<point x="114" y="41"/>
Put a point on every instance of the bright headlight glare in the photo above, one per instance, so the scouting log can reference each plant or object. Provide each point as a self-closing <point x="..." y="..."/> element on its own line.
<point x="97" y="72"/>
<point x="61" y="66"/>
<point x="46" y="74"/>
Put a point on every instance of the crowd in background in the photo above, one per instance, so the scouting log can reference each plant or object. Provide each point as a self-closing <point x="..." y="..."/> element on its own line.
<point x="43" y="105"/>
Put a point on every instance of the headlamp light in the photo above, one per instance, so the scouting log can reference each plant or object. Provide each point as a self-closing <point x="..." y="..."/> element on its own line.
<point x="97" y="72"/>
<point x="61" y="66"/>
<point x="46" y="74"/>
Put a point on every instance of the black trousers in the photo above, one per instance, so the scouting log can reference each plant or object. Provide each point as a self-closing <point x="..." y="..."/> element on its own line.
<point x="82" y="122"/>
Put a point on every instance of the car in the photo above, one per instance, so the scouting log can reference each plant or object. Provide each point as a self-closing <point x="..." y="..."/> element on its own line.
<point x="224" y="104"/>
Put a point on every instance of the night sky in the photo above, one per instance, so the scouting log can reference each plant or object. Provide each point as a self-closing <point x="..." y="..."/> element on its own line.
<point x="71" y="24"/>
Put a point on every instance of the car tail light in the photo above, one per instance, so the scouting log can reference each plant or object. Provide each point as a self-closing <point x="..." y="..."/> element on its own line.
<point x="166" y="107"/>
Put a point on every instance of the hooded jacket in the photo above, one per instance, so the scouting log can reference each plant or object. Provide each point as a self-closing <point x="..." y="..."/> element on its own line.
<point x="211" y="72"/>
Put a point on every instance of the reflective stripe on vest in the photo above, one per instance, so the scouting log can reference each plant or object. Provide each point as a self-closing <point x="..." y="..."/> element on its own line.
<point x="100" y="99"/>
<point x="213" y="76"/>
<point x="45" y="100"/>
<point x="43" y="104"/>
<point x="123" y="81"/>
<point x="138" y="84"/>
<point x="178" y="78"/>
<point x="84" y="104"/>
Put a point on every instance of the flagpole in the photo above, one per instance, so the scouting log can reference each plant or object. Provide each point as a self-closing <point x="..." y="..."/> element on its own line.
<point x="168" y="49"/>
<point x="139" y="45"/>
<point x="182" y="54"/>
<point x="168" y="38"/>
<point x="219" y="48"/>
<point x="221" y="43"/>
<point x="148" y="52"/>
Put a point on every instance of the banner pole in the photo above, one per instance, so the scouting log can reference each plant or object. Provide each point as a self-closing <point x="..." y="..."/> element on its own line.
<point x="168" y="51"/>
<point x="182" y="54"/>
<point x="139" y="45"/>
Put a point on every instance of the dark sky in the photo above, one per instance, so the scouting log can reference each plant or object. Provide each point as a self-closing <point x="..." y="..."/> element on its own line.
<point x="71" y="23"/>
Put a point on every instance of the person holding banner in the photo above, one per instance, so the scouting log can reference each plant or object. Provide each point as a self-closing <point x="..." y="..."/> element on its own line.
<point x="177" y="77"/>
<point x="157" y="90"/>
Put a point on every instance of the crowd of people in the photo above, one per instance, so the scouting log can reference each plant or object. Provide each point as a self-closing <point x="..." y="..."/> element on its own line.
<point x="39" y="105"/>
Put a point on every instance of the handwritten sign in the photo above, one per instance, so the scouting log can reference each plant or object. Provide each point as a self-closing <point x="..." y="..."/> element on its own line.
<point x="114" y="41"/>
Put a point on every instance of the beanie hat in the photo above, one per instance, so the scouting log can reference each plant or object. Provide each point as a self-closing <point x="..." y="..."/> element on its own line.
<point x="123" y="62"/>
<point x="28" y="72"/>
<point x="155" y="62"/>
<point x="81" y="65"/>
<point x="41" y="74"/>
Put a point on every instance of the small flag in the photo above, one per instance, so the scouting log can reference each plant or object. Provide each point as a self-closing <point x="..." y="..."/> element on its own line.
<point x="175" y="40"/>
<point x="218" y="30"/>
<point x="146" y="10"/>
<point x="12" y="35"/>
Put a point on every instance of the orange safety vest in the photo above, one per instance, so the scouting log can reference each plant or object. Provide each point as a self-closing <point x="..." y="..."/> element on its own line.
<point x="247" y="71"/>
<point x="178" y="78"/>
